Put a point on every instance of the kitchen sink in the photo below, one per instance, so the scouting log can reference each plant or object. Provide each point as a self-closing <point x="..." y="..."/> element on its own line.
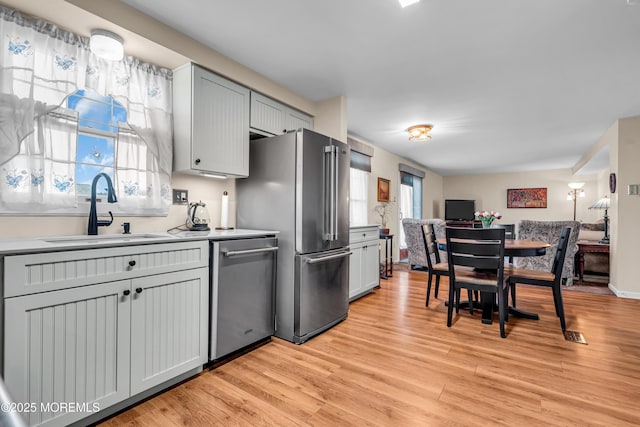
<point x="107" y="238"/>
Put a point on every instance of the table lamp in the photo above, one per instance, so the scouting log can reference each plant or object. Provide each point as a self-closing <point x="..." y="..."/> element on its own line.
<point x="604" y="203"/>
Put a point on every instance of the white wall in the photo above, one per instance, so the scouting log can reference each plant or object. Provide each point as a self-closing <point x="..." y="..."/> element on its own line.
<point x="387" y="165"/>
<point x="624" y="139"/>
<point x="490" y="193"/>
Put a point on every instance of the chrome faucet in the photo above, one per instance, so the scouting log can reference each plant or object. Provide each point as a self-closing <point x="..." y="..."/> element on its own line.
<point x="94" y="222"/>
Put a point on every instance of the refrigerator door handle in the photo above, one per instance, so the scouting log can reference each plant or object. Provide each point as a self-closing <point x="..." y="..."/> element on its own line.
<point x="250" y="251"/>
<point x="326" y="258"/>
<point x="330" y="194"/>
<point x="336" y="197"/>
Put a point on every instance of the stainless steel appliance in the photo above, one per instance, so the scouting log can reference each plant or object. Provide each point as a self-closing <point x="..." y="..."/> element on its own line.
<point x="299" y="184"/>
<point x="242" y="293"/>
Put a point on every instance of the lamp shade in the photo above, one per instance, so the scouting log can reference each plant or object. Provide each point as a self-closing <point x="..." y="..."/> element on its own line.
<point x="576" y="185"/>
<point x="604" y="203"/>
<point x="107" y="45"/>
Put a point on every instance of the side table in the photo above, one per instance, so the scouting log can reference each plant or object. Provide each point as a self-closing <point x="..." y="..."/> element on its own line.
<point x="387" y="270"/>
<point x="588" y="246"/>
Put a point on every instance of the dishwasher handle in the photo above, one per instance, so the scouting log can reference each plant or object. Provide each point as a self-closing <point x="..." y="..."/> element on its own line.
<point x="326" y="258"/>
<point x="249" y="251"/>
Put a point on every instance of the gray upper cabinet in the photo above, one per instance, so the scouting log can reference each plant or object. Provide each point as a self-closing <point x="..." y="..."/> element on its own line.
<point x="270" y="117"/>
<point x="211" y="123"/>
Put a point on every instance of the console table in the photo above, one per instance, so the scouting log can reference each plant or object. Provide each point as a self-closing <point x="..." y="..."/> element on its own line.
<point x="588" y="246"/>
<point x="387" y="270"/>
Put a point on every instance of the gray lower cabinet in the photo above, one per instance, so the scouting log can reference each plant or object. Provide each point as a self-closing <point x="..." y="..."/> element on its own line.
<point x="364" y="270"/>
<point x="169" y="326"/>
<point x="100" y="344"/>
<point x="68" y="346"/>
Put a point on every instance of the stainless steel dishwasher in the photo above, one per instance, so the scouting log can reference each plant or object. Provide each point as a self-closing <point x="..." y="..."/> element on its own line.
<point x="243" y="275"/>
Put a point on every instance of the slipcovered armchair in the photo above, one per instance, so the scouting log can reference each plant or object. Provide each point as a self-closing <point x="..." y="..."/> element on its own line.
<point x="415" y="243"/>
<point x="548" y="231"/>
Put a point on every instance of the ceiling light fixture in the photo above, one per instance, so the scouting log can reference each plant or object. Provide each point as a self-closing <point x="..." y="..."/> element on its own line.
<point x="107" y="45"/>
<point x="405" y="3"/>
<point x="419" y="132"/>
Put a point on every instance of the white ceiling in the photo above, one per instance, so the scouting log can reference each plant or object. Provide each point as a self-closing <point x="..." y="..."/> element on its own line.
<point x="509" y="85"/>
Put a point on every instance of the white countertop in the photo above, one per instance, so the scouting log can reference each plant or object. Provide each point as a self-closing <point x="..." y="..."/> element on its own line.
<point x="62" y="243"/>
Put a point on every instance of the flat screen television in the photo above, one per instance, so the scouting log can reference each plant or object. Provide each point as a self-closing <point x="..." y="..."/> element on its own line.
<point x="459" y="210"/>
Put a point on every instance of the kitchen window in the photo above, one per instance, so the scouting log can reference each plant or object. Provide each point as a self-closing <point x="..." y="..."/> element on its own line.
<point x="67" y="115"/>
<point x="360" y="160"/>
<point x="97" y="131"/>
<point x="359" y="201"/>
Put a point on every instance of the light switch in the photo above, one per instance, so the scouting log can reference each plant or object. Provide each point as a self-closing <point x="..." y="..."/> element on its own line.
<point x="633" y="189"/>
<point x="180" y="197"/>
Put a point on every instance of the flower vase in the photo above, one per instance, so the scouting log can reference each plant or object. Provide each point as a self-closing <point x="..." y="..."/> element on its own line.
<point x="486" y="223"/>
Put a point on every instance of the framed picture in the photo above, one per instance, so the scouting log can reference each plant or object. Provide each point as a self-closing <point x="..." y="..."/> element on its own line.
<point x="527" y="198"/>
<point x="383" y="190"/>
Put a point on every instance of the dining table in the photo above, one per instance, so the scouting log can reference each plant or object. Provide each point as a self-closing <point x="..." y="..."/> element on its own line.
<point x="512" y="248"/>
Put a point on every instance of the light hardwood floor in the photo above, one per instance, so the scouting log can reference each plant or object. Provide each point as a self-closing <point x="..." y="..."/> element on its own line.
<point x="394" y="362"/>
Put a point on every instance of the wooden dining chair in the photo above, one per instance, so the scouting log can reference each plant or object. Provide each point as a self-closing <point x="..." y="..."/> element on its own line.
<point x="476" y="263"/>
<point x="435" y="266"/>
<point x="551" y="279"/>
<point x="509" y="230"/>
<point x="509" y="233"/>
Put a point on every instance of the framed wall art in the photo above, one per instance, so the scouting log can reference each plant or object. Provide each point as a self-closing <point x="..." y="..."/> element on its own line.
<point x="527" y="198"/>
<point x="383" y="190"/>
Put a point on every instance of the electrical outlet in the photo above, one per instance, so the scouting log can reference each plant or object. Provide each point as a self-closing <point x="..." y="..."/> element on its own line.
<point x="180" y="197"/>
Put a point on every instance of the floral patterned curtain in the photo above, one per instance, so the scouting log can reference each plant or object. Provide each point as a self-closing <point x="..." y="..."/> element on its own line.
<point x="41" y="65"/>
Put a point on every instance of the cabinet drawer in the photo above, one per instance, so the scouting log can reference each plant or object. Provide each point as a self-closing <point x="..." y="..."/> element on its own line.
<point x="48" y="271"/>
<point x="362" y="234"/>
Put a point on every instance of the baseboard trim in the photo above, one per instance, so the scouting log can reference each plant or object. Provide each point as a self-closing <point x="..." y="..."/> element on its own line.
<point x="624" y="294"/>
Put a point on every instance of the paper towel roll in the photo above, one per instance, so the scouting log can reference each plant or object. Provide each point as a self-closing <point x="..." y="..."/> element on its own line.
<point x="224" y="211"/>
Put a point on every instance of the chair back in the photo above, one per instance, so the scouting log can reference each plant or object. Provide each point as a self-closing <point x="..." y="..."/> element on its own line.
<point x="509" y="230"/>
<point x="430" y="244"/>
<point x="413" y="236"/>
<point x="479" y="248"/>
<point x="561" y="252"/>
<point x="548" y="231"/>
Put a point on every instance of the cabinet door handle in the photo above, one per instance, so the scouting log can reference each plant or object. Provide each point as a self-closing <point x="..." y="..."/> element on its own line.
<point x="132" y="263"/>
<point x="126" y="292"/>
<point x="138" y="290"/>
<point x="197" y="161"/>
<point x="249" y="251"/>
<point x="326" y="258"/>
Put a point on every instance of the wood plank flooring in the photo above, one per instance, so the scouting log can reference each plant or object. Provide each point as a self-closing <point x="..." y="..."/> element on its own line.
<point x="394" y="362"/>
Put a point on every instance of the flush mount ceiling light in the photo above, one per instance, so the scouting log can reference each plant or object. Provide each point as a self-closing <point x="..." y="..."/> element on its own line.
<point x="107" y="45"/>
<point x="419" y="132"/>
<point x="405" y="3"/>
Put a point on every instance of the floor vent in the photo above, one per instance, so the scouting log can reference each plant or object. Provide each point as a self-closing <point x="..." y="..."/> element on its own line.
<point x="575" y="336"/>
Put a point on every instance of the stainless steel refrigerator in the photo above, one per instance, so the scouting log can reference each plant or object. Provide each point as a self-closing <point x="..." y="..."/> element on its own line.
<point x="298" y="184"/>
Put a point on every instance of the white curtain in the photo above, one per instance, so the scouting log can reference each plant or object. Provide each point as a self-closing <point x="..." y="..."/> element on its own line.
<point x="41" y="66"/>
<point x="139" y="184"/>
